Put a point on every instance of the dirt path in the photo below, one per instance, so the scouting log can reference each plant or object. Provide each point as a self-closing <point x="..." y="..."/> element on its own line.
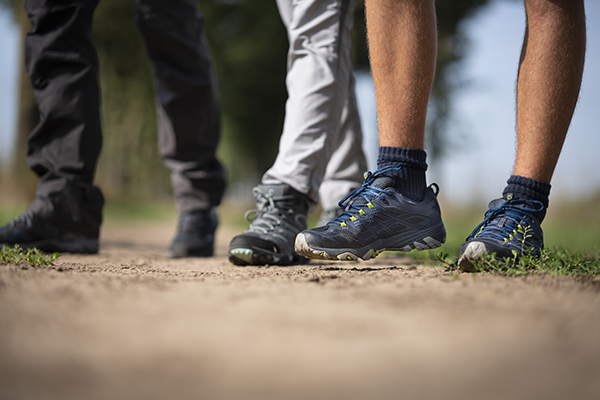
<point x="130" y="324"/>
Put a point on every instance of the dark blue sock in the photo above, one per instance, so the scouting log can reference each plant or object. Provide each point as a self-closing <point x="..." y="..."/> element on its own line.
<point x="410" y="179"/>
<point x="530" y="189"/>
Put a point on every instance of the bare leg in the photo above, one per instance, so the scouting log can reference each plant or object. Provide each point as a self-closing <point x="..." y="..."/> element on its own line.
<point x="403" y="44"/>
<point x="548" y="86"/>
<point x="550" y="73"/>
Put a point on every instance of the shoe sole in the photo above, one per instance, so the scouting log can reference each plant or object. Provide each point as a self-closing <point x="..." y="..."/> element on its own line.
<point x="80" y="246"/>
<point x="368" y="252"/>
<point x="243" y="257"/>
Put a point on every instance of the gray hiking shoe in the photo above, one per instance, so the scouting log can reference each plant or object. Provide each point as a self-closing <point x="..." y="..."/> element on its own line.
<point x="280" y="215"/>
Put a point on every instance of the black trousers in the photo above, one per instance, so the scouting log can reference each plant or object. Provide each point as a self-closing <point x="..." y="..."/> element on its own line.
<point x="64" y="147"/>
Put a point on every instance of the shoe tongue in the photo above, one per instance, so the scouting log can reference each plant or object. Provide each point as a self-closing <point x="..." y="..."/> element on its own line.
<point x="497" y="202"/>
<point x="285" y="196"/>
<point x="509" y="196"/>
<point x="275" y="191"/>
<point x="383" y="182"/>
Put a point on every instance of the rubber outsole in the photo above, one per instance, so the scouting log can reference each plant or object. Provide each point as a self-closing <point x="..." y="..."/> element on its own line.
<point x="243" y="257"/>
<point x="365" y="253"/>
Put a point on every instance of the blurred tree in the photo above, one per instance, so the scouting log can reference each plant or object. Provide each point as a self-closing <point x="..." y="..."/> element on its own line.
<point x="453" y="45"/>
<point x="129" y="164"/>
<point x="249" y="44"/>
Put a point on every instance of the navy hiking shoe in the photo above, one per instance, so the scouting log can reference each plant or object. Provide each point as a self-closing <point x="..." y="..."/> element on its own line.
<point x="376" y="218"/>
<point x="280" y="215"/>
<point x="510" y="224"/>
<point x="32" y="231"/>
<point x="195" y="235"/>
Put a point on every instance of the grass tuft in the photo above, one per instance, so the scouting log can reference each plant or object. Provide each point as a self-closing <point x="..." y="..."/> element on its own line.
<point x="18" y="256"/>
<point x="553" y="260"/>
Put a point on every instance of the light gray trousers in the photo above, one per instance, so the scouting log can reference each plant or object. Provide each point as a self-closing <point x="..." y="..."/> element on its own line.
<point x="320" y="150"/>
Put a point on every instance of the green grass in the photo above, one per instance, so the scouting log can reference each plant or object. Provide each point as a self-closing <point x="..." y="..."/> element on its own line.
<point x="18" y="256"/>
<point x="571" y="238"/>
<point x="552" y="260"/>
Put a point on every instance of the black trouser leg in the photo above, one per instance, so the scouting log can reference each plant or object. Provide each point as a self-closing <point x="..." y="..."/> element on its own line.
<point x="64" y="147"/>
<point x="188" y="109"/>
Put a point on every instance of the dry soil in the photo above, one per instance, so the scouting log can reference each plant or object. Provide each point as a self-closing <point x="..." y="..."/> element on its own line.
<point x="128" y="323"/>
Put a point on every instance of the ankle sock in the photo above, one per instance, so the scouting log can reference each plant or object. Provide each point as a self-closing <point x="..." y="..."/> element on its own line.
<point x="410" y="179"/>
<point x="530" y="189"/>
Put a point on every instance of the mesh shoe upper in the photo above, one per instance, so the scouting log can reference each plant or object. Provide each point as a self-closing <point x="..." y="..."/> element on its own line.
<point x="280" y="215"/>
<point x="377" y="217"/>
<point x="510" y="224"/>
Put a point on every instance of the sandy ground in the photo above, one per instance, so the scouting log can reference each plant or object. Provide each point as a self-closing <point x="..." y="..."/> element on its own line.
<point x="130" y="324"/>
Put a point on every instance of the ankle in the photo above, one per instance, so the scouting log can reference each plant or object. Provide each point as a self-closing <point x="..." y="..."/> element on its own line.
<point x="410" y="179"/>
<point x="528" y="189"/>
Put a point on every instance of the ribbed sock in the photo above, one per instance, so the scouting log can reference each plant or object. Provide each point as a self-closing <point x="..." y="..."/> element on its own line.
<point x="530" y="189"/>
<point x="410" y="179"/>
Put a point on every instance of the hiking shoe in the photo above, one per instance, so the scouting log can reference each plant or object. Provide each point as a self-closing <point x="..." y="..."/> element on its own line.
<point x="32" y="231"/>
<point x="329" y="215"/>
<point x="195" y="235"/>
<point x="510" y="224"/>
<point x="376" y="218"/>
<point x="280" y="215"/>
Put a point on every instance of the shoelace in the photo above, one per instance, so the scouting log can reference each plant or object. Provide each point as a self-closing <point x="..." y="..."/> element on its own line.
<point x="26" y="218"/>
<point x="512" y="213"/>
<point x="366" y="192"/>
<point x="266" y="216"/>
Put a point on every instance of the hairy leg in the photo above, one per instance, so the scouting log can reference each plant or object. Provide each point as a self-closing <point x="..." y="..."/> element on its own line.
<point x="403" y="43"/>
<point x="550" y="73"/>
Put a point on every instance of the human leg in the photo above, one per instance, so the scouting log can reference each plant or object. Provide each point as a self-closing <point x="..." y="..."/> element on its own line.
<point x="318" y="82"/>
<point x="63" y="148"/>
<point x="189" y="121"/>
<point x="392" y="210"/>
<point x="549" y="80"/>
<point x="347" y="164"/>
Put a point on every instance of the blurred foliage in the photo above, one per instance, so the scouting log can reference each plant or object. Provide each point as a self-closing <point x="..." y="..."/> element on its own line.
<point x="453" y="45"/>
<point x="249" y="45"/>
<point x="129" y="164"/>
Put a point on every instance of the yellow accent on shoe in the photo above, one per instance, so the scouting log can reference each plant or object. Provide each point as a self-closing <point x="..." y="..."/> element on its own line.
<point x="349" y="258"/>
<point x="477" y="234"/>
<point x="370" y="205"/>
<point x="342" y="224"/>
<point x="361" y="211"/>
<point x="353" y="218"/>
